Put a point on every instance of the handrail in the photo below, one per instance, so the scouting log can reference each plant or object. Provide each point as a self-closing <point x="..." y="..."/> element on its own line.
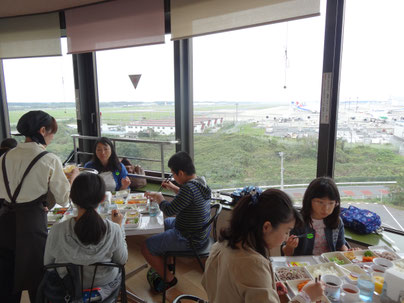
<point x="128" y="140"/>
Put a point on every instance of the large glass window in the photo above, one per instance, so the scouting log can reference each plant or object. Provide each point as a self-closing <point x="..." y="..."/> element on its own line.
<point x="370" y="140"/>
<point x="44" y="84"/>
<point x="256" y="104"/>
<point x="142" y="109"/>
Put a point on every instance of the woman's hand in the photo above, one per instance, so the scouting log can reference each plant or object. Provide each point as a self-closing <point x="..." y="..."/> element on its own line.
<point x="116" y="217"/>
<point x="290" y="246"/>
<point x="314" y="290"/>
<point x="154" y="197"/>
<point x="281" y="289"/>
<point x="125" y="183"/>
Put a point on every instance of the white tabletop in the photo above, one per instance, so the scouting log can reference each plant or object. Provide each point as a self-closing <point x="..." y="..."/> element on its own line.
<point x="148" y="225"/>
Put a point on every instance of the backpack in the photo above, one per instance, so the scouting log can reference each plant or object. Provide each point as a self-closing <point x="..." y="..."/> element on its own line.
<point x="239" y="193"/>
<point x="361" y="221"/>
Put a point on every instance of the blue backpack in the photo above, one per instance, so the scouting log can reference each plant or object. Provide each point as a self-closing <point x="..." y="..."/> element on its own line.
<point x="239" y="193"/>
<point x="361" y="221"/>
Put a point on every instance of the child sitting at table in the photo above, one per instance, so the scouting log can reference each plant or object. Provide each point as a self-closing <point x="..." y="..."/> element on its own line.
<point x="323" y="229"/>
<point x="238" y="269"/>
<point x="191" y="205"/>
<point x="87" y="238"/>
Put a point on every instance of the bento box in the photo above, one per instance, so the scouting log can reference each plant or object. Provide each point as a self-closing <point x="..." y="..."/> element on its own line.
<point x="354" y="272"/>
<point x="291" y="273"/>
<point x="138" y="199"/>
<point x="399" y="265"/>
<point x="325" y="269"/>
<point x="384" y="252"/>
<point x="132" y="219"/>
<point x="358" y="256"/>
<point x="336" y="257"/>
<point x="294" y="286"/>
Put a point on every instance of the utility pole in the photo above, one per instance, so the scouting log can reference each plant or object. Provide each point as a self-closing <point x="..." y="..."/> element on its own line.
<point x="236" y="113"/>
<point x="282" y="169"/>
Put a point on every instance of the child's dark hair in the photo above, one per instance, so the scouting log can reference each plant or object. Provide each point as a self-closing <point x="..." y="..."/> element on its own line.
<point x="322" y="187"/>
<point x="8" y="143"/>
<point x="249" y="216"/>
<point x="113" y="161"/>
<point x="87" y="191"/>
<point x="181" y="161"/>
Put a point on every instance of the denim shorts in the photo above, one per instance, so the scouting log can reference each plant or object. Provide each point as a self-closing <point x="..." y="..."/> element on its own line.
<point x="170" y="240"/>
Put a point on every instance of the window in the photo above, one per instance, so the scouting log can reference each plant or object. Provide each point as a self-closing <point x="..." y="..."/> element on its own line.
<point x="44" y="84"/>
<point x="370" y="134"/>
<point x="136" y="110"/>
<point x="256" y="104"/>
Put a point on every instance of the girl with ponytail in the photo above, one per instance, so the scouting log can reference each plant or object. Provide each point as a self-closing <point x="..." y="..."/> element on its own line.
<point x="87" y="238"/>
<point x="238" y="268"/>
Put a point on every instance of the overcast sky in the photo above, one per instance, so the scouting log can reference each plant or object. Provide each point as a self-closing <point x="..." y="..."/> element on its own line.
<point x="242" y="65"/>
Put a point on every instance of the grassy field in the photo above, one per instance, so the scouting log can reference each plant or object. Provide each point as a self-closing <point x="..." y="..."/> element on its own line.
<point x="240" y="154"/>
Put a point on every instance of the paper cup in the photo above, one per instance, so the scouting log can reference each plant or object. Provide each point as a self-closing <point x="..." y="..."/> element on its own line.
<point x="350" y="293"/>
<point x="332" y="287"/>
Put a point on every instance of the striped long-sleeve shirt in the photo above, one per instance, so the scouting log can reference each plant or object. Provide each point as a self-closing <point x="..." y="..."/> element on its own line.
<point x="192" y="208"/>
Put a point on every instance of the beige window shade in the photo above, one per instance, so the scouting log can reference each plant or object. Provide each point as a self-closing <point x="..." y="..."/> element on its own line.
<point x="11" y="8"/>
<point x="30" y="36"/>
<point x="116" y="24"/>
<point x="191" y="18"/>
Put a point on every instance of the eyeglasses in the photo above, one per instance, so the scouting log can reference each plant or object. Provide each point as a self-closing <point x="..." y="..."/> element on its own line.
<point x="327" y="204"/>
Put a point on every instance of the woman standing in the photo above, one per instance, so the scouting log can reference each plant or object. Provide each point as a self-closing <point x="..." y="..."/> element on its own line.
<point x="28" y="173"/>
<point x="106" y="162"/>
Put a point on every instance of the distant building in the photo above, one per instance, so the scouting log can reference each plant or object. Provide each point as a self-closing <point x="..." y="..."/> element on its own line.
<point x="167" y="127"/>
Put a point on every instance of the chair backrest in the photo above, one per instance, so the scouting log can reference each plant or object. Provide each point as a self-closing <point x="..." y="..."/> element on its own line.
<point x="189" y="297"/>
<point x="216" y="209"/>
<point x="69" y="288"/>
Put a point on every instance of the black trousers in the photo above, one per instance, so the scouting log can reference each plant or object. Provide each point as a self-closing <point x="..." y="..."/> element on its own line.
<point x="7" y="261"/>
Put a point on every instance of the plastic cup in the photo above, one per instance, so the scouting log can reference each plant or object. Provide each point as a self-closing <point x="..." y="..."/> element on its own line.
<point x="154" y="209"/>
<point x="366" y="287"/>
<point x="379" y="281"/>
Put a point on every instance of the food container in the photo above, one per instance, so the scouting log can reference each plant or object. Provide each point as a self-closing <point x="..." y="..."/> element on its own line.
<point x="138" y="199"/>
<point x="383" y="262"/>
<point x="358" y="256"/>
<point x="336" y="257"/>
<point x="384" y="252"/>
<point x="291" y="273"/>
<point x="296" y="285"/>
<point x="398" y="265"/>
<point x="132" y="219"/>
<point x="325" y="269"/>
<point x="124" y="208"/>
<point x="354" y="272"/>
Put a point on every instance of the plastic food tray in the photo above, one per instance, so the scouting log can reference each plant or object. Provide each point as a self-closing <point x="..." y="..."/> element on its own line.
<point x="379" y="250"/>
<point x="325" y="269"/>
<point x="328" y="256"/>
<point x="302" y="271"/>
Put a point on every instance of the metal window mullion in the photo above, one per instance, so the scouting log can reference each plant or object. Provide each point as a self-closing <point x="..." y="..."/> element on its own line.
<point x="334" y="26"/>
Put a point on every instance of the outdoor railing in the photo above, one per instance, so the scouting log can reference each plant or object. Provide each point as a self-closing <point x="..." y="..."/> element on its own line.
<point x="128" y="140"/>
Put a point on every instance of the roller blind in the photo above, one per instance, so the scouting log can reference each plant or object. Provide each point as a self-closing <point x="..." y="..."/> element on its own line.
<point x="191" y="18"/>
<point x="11" y="8"/>
<point x="116" y="24"/>
<point x="30" y="36"/>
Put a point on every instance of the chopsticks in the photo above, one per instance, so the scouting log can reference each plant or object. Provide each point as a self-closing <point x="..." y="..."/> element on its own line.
<point x="166" y="180"/>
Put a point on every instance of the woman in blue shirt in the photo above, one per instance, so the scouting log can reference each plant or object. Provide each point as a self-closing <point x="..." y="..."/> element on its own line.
<point x="106" y="162"/>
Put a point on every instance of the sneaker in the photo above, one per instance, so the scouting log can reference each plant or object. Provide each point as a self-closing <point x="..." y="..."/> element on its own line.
<point x="157" y="283"/>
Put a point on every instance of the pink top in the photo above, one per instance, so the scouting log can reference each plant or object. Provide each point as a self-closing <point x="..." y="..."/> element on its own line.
<point x="320" y="243"/>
